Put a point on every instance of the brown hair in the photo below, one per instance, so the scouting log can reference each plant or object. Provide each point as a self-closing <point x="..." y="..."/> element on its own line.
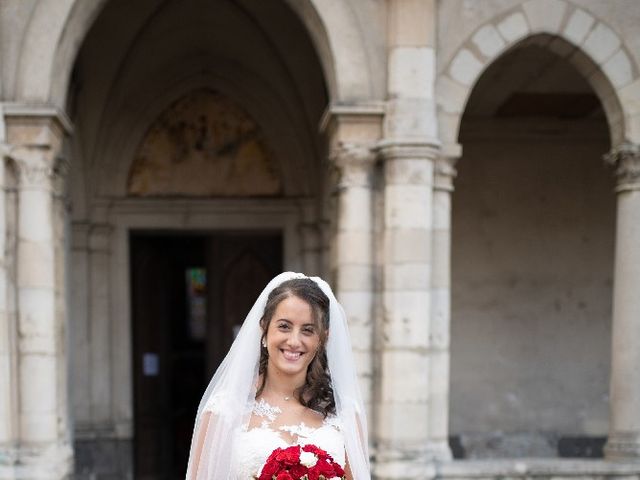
<point x="316" y="393"/>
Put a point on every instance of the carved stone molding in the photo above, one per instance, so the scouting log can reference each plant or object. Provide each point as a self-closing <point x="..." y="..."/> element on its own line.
<point x="36" y="166"/>
<point x="408" y="162"/>
<point x="444" y="173"/>
<point x="354" y="163"/>
<point x="625" y="158"/>
<point x="400" y="149"/>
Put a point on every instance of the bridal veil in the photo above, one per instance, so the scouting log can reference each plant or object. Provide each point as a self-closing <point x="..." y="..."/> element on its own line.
<point x="226" y="404"/>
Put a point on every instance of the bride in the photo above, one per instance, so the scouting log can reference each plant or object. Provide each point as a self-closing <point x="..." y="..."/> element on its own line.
<point x="288" y="379"/>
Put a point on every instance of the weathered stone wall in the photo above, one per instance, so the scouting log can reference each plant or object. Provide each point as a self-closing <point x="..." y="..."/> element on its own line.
<point x="533" y="232"/>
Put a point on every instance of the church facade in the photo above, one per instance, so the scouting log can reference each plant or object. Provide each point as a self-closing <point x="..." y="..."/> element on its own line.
<point x="465" y="173"/>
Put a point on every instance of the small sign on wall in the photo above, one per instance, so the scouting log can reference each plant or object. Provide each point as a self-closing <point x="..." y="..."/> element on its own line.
<point x="150" y="364"/>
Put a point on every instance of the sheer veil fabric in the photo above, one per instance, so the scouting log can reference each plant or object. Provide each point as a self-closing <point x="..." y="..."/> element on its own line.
<point x="226" y="405"/>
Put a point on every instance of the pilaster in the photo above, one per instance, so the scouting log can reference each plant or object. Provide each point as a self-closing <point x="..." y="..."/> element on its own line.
<point x="79" y="325"/>
<point x="624" y="424"/>
<point x="100" y="326"/>
<point x="311" y="241"/>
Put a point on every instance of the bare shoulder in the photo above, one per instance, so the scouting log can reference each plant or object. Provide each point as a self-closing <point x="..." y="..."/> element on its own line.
<point x="312" y="418"/>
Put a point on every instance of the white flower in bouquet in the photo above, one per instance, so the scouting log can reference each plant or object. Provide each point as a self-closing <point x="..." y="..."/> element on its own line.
<point x="308" y="459"/>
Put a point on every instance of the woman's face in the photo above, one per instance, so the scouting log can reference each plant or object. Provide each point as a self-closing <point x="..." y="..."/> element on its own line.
<point x="292" y="337"/>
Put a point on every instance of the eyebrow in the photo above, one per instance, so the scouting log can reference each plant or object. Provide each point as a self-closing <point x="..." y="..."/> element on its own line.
<point x="290" y="322"/>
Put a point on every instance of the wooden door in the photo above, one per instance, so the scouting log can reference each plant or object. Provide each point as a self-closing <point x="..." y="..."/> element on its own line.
<point x="241" y="266"/>
<point x="175" y="355"/>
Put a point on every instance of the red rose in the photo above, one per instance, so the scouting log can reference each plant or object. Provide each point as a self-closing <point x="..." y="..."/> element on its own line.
<point x="289" y="456"/>
<point x="268" y="471"/>
<point x="284" y="476"/>
<point x="271" y="466"/>
<point x="325" y="469"/>
<point x="313" y="474"/>
<point x="274" y="454"/>
<point x="298" y="471"/>
<point x="318" y="452"/>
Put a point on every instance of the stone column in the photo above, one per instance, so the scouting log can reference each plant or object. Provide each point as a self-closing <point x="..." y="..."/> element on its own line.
<point x="402" y="413"/>
<point x="352" y="259"/>
<point x="9" y="431"/>
<point x="353" y="130"/>
<point x="44" y="450"/>
<point x="624" y="422"/>
<point x="406" y="441"/>
<point x="444" y="173"/>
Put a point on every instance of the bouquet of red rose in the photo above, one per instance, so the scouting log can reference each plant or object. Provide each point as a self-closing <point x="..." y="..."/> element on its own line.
<point x="301" y="463"/>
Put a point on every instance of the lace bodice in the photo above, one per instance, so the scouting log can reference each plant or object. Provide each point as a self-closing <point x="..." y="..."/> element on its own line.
<point x="252" y="446"/>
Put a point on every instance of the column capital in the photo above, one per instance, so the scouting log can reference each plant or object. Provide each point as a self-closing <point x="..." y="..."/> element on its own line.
<point x="354" y="162"/>
<point x="445" y="167"/>
<point x="37" y="167"/>
<point x="34" y="141"/>
<point x="352" y="154"/>
<point x="625" y="158"/>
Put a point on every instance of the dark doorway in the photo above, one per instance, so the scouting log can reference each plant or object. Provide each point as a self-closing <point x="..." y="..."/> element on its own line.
<point x="190" y="294"/>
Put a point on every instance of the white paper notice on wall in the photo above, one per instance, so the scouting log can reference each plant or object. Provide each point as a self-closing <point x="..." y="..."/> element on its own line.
<point x="150" y="364"/>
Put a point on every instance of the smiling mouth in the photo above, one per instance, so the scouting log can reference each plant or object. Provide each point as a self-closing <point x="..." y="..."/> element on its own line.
<point x="291" y="355"/>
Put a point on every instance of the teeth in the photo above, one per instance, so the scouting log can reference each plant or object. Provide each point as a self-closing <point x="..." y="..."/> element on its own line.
<point x="291" y="355"/>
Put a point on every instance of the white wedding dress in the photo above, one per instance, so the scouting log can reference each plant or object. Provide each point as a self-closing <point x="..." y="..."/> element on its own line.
<point x="252" y="446"/>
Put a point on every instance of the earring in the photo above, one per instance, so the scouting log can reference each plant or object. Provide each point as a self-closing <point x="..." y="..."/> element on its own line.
<point x="264" y="343"/>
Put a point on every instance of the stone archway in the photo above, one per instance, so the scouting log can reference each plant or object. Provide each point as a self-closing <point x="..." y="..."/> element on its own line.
<point x="56" y="31"/>
<point x="243" y="57"/>
<point x="602" y="77"/>
<point x="585" y="41"/>
<point x="534" y="131"/>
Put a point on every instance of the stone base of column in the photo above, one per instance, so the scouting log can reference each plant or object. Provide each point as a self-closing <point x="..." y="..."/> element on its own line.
<point x="396" y="464"/>
<point x="623" y="446"/>
<point x="103" y="458"/>
<point x="54" y="462"/>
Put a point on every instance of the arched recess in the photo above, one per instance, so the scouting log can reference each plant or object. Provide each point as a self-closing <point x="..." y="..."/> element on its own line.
<point x="234" y="50"/>
<point x="57" y="29"/>
<point x="135" y="61"/>
<point x="587" y="43"/>
<point x="532" y="261"/>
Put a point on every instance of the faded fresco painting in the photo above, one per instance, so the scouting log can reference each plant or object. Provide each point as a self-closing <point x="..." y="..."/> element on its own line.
<point x="204" y="145"/>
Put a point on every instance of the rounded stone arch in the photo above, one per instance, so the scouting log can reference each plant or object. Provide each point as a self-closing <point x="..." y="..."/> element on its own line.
<point x="587" y="43"/>
<point x="53" y="37"/>
<point x="57" y="29"/>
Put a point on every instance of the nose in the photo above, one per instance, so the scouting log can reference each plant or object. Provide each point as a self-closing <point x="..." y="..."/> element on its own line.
<point x="293" y="341"/>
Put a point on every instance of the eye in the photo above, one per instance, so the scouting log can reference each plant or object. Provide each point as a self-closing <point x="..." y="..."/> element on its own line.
<point x="309" y="330"/>
<point x="283" y="325"/>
